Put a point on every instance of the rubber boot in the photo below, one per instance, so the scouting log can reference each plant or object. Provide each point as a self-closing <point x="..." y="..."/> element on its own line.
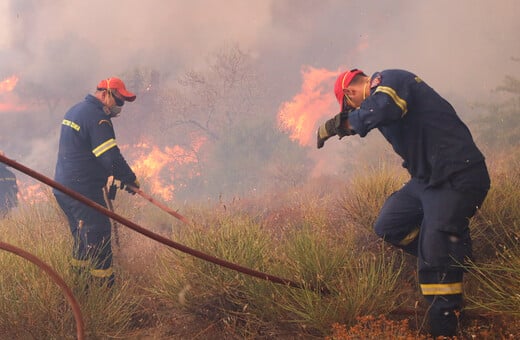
<point x="443" y="322"/>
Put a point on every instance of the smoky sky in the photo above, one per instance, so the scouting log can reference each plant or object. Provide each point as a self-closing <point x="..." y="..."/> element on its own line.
<point x="462" y="48"/>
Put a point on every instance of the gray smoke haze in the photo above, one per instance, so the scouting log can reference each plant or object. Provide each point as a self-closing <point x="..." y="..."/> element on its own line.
<point x="462" y="48"/>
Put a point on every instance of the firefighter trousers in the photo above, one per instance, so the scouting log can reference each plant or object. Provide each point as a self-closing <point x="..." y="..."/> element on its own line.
<point x="91" y="232"/>
<point x="432" y="223"/>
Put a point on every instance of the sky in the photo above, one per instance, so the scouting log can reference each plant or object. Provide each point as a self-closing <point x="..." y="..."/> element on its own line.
<point x="463" y="48"/>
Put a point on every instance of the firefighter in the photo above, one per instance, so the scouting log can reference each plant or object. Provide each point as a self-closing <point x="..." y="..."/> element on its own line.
<point x="8" y="190"/>
<point x="88" y="154"/>
<point x="429" y="216"/>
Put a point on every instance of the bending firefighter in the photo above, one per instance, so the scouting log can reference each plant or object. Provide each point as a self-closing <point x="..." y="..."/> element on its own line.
<point x="429" y="216"/>
<point x="88" y="154"/>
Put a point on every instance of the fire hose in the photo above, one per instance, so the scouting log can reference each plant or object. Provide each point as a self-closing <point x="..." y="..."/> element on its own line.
<point x="198" y="254"/>
<point x="80" y="332"/>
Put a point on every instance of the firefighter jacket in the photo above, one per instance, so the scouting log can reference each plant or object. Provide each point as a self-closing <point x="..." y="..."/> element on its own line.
<point x="422" y="127"/>
<point x="88" y="153"/>
<point x="8" y="189"/>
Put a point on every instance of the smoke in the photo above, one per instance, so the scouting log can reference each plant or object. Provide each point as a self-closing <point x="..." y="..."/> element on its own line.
<point x="51" y="39"/>
<point x="468" y="42"/>
<point x="463" y="49"/>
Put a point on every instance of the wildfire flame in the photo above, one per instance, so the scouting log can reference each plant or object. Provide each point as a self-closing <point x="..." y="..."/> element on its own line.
<point x="300" y="116"/>
<point x="31" y="193"/>
<point x="8" y="84"/>
<point x="8" y="100"/>
<point x="157" y="166"/>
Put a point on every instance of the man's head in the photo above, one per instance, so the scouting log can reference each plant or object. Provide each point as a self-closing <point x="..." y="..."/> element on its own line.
<point x="351" y="88"/>
<point x="112" y="93"/>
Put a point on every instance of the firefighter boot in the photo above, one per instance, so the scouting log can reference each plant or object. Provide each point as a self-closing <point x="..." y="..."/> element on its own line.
<point x="443" y="321"/>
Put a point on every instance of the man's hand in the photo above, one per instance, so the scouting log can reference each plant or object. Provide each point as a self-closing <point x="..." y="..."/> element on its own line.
<point x="325" y="131"/>
<point x="129" y="187"/>
<point x="332" y="127"/>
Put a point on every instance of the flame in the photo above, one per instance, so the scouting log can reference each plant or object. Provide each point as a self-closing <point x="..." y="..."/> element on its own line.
<point x="300" y="116"/>
<point x="8" y="100"/>
<point x="8" y="84"/>
<point x="158" y="166"/>
<point x="31" y="193"/>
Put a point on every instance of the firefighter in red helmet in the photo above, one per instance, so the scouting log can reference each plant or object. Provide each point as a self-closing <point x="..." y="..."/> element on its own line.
<point x="88" y="154"/>
<point x="429" y="216"/>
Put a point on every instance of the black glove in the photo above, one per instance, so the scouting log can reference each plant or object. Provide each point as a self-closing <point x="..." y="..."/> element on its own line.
<point x="111" y="195"/>
<point x="127" y="187"/>
<point x="332" y="127"/>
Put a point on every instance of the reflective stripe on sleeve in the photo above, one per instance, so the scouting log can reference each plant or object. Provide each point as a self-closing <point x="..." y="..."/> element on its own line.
<point x="400" y="102"/>
<point x="441" y="288"/>
<point x="70" y="123"/>
<point x="109" y="144"/>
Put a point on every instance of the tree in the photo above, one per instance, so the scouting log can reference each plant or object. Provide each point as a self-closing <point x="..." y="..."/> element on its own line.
<point x="213" y="100"/>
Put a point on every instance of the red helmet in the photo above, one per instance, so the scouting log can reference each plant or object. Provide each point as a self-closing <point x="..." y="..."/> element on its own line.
<point x="343" y="82"/>
<point x="116" y="84"/>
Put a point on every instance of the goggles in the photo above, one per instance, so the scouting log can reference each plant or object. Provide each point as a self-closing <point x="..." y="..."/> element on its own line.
<point x="119" y="101"/>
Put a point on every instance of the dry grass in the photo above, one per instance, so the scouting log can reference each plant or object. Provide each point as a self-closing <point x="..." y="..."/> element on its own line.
<point x="31" y="305"/>
<point x="313" y="249"/>
<point x="309" y="234"/>
<point x="495" y="272"/>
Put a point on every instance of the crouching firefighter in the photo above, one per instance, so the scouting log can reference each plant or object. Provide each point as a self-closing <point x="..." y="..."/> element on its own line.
<point x="88" y="154"/>
<point x="429" y="216"/>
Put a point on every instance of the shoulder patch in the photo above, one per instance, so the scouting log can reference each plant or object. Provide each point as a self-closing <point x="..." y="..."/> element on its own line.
<point x="375" y="81"/>
<point x="418" y="80"/>
<point x="105" y="121"/>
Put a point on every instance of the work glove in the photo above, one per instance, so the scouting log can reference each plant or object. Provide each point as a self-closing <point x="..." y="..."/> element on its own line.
<point x="126" y="186"/>
<point x="325" y="131"/>
<point x="112" y="189"/>
<point x="332" y="127"/>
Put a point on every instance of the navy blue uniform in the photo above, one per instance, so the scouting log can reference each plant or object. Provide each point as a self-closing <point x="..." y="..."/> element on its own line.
<point x="429" y="216"/>
<point x="8" y="190"/>
<point x="88" y="154"/>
